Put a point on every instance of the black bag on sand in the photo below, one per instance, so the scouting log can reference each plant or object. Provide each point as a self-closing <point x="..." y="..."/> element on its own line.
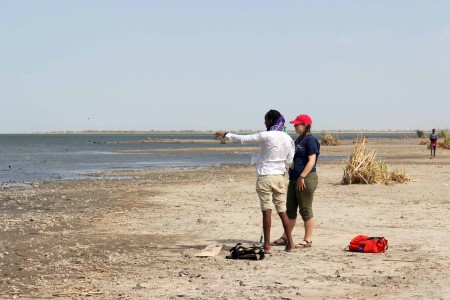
<point x="242" y="252"/>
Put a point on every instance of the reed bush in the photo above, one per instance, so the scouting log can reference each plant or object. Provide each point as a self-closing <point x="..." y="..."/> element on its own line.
<point x="328" y="140"/>
<point x="420" y="133"/>
<point x="442" y="134"/>
<point x="446" y="142"/>
<point x="363" y="168"/>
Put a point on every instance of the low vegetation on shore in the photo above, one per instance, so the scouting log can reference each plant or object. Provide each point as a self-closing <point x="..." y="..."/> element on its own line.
<point x="420" y="133"/>
<point x="445" y="143"/>
<point x="363" y="168"/>
<point x="327" y="139"/>
<point x="443" y="140"/>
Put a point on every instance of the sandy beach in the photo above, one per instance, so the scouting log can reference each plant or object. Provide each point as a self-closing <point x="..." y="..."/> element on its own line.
<point x="134" y="235"/>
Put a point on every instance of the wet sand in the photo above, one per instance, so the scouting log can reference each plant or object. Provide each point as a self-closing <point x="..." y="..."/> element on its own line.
<point x="134" y="235"/>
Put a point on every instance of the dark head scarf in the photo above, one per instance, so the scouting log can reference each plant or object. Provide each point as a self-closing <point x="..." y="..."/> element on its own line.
<point x="277" y="125"/>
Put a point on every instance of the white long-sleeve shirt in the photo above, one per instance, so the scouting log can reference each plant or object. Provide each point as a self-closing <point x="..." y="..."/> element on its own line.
<point x="276" y="150"/>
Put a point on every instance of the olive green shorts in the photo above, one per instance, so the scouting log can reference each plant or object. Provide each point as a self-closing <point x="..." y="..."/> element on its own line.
<point x="301" y="200"/>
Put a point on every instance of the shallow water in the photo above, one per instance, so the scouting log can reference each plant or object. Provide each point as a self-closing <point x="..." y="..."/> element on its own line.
<point x="36" y="157"/>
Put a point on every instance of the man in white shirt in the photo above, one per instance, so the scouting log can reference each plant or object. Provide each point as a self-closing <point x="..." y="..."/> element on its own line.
<point x="276" y="151"/>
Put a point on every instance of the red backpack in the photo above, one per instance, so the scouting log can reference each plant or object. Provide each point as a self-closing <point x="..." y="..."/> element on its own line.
<point x="368" y="244"/>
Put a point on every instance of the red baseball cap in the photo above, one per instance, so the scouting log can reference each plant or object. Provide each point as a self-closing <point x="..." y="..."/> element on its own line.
<point x="302" y="119"/>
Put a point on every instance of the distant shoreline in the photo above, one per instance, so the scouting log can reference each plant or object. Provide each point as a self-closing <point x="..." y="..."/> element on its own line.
<point x="206" y="132"/>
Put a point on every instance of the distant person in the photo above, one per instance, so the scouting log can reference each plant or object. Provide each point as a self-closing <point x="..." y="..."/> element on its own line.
<point x="433" y="143"/>
<point x="303" y="181"/>
<point x="276" y="151"/>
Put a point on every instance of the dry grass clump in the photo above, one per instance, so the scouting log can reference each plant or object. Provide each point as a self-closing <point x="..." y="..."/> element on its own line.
<point x="328" y="140"/>
<point x="424" y="142"/>
<point x="446" y="142"/>
<point x="364" y="169"/>
<point x="398" y="176"/>
<point x="442" y="134"/>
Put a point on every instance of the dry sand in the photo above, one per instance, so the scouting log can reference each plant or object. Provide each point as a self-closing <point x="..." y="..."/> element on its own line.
<point x="135" y="237"/>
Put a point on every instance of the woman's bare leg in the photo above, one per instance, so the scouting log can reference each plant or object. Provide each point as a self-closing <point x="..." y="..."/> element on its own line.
<point x="309" y="227"/>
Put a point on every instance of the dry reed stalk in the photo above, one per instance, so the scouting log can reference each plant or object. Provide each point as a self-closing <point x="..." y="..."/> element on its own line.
<point x="363" y="168"/>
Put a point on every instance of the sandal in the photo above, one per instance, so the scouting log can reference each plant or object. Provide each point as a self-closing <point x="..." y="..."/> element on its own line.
<point x="282" y="241"/>
<point x="303" y="244"/>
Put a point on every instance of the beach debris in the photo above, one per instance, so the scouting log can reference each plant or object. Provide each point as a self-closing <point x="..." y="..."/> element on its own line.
<point x="79" y="293"/>
<point x="211" y="250"/>
<point x="139" y="286"/>
<point x="403" y="260"/>
<point x="362" y="168"/>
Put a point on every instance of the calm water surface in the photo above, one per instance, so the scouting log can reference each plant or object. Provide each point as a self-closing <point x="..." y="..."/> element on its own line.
<point x="26" y="158"/>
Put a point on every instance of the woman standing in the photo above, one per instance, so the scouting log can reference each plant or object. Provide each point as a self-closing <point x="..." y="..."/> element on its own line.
<point x="303" y="181"/>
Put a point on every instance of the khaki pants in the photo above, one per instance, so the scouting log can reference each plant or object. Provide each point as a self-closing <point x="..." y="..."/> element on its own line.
<point x="271" y="189"/>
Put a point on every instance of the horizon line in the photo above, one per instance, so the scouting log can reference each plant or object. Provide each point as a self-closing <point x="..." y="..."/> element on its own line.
<point x="208" y="131"/>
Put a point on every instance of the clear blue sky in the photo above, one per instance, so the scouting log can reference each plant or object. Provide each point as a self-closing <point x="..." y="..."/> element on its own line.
<point x="213" y="65"/>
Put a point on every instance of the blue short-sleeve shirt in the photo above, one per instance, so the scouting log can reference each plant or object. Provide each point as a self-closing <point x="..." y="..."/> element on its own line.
<point x="308" y="146"/>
